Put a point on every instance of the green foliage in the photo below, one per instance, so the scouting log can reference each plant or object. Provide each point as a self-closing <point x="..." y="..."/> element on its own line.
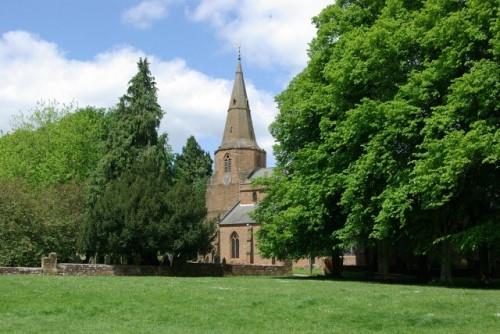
<point x="193" y="164"/>
<point x="54" y="145"/>
<point x="45" y="161"/>
<point x="140" y="203"/>
<point x="391" y="132"/>
<point x="126" y="206"/>
<point x="36" y="221"/>
<point x="193" y="234"/>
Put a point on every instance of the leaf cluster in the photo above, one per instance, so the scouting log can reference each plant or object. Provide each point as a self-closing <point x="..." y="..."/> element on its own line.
<point x="391" y="131"/>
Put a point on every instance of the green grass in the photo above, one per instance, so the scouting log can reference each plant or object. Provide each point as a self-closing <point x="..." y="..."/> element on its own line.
<point x="42" y="304"/>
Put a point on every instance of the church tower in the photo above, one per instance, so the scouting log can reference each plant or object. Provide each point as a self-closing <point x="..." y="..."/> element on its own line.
<point x="238" y="155"/>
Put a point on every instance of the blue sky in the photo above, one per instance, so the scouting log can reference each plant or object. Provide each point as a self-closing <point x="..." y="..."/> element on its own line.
<point x="84" y="52"/>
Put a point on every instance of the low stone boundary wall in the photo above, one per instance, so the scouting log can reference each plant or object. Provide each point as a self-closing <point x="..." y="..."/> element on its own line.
<point x="51" y="267"/>
<point x="20" y="271"/>
<point x="187" y="269"/>
<point x="249" y="269"/>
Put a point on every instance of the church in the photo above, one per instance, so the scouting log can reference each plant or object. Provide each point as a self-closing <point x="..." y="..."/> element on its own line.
<point x="230" y="195"/>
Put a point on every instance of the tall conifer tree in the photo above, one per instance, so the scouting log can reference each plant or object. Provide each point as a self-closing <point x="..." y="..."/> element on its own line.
<point x="127" y="211"/>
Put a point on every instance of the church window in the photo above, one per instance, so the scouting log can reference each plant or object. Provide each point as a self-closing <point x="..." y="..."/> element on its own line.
<point x="235" y="245"/>
<point x="227" y="163"/>
<point x="254" y="196"/>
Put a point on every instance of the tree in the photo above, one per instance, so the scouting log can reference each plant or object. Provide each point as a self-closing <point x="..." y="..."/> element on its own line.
<point x="56" y="144"/>
<point x="37" y="220"/>
<point x="389" y="137"/>
<point x="193" y="164"/>
<point x="192" y="168"/>
<point x="45" y="162"/>
<point x="127" y="211"/>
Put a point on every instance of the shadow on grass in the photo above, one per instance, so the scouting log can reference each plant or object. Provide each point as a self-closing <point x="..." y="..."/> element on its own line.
<point x="368" y="277"/>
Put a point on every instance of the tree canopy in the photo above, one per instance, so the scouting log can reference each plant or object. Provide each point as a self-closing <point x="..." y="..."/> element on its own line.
<point x="391" y="132"/>
<point x="126" y="205"/>
<point x="142" y="202"/>
<point x="45" y="162"/>
<point x="55" y="144"/>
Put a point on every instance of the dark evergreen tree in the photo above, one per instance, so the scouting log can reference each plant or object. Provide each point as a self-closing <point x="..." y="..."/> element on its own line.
<point x="127" y="211"/>
<point x="193" y="164"/>
<point x="192" y="168"/>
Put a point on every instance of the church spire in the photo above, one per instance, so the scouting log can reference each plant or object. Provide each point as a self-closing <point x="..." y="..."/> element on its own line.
<point x="238" y="132"/>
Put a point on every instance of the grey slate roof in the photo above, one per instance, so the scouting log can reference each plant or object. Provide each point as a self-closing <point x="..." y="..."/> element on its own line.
<point x="261" y="172"/>
<point x="239" y="215"/>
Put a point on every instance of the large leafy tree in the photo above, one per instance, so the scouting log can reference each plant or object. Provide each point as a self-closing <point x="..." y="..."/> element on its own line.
<point x="37" y="220"/>
<point x="389" y="137"/>
<point x="55" y="144"/>
<point x="127" y="211"/>
<point x="44" y="164"/>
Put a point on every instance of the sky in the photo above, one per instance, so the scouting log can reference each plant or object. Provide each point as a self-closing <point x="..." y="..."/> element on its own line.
<point x="85" y="52"/>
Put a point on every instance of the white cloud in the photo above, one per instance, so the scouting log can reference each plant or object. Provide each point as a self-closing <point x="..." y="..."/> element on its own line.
<point x="33" y="69"/>
<point x="271" y="32"/>
<point x="145" y="13"/>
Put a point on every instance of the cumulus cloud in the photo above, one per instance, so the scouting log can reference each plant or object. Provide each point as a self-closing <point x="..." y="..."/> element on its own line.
<point x="33" y="69"/>
<point x="145" y="13"/>
<point x="271" y="32"/>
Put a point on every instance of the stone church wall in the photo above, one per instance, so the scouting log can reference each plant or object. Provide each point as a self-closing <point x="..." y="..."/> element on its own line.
<point x="249" y="250"/>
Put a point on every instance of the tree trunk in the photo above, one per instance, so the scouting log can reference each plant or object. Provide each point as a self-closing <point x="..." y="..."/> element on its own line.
<point x="484" y="265"/>
<point x="383" y="259"/>
<point x="423" y="269"/>
<point x="445" y="276"/>
<point x="337" y="263"/>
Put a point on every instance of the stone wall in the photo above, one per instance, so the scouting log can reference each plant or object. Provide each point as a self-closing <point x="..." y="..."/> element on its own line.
<point x="51" y="267"/>
<point x="20" y="271"/>
<point x="257" y="270"/>
<point x="187" y="269"/>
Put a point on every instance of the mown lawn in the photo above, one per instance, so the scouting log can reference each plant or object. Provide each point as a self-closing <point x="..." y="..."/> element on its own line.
<point x="42" y="304"/>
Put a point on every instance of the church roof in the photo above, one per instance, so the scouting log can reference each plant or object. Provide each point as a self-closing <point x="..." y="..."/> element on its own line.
<point x="239" y="215"/>
<point x="261" y="172"/>
<point x="239" y="132"/>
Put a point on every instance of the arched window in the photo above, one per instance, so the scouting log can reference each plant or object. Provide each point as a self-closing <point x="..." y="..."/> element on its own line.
<point x="227" y="163"/>
<point x="235" y="245"/>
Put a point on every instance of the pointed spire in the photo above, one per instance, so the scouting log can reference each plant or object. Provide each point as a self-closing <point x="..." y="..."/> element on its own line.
<point x="239" y="131"/>
<point x="239" y="97"/>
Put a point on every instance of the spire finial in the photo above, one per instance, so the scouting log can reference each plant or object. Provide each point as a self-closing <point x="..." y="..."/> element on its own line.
<point x="239" y="52"/>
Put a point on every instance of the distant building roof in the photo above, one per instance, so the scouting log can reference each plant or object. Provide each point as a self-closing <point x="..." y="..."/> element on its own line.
<point x="261" y="172"/>
<point x="239" y="215"/>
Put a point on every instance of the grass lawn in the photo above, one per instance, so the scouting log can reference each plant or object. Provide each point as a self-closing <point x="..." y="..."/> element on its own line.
<point x="43" y="304"/>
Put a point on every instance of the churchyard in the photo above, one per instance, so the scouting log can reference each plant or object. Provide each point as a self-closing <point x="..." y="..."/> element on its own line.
<point x="55" y="304"/>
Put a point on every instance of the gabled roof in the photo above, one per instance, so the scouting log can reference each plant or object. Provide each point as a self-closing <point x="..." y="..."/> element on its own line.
<point x="239" y="215"/>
